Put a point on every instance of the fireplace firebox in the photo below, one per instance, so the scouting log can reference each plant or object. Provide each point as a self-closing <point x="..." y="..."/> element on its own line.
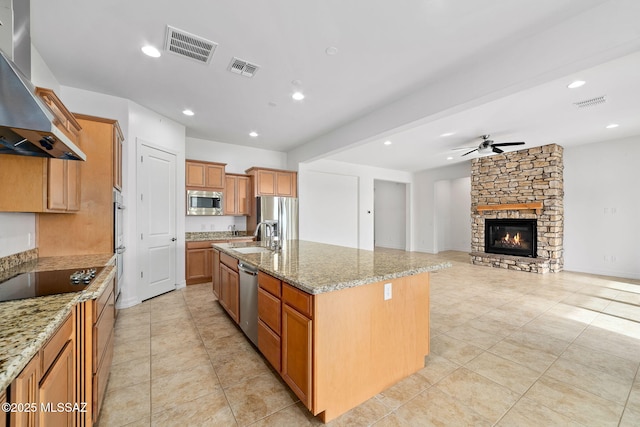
<point x="510" y="237"/>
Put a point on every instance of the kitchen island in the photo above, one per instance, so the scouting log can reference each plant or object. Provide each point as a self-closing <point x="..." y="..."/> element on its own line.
<point x="339" y="324"/>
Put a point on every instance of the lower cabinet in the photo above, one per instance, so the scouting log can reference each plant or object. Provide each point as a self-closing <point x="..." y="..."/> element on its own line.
<point x="230" y="286"/>
<point x="215" y="272"/>
<point x="285" y="333"/>
<point x="47" y="381"/>
<point x="198" y="262"/>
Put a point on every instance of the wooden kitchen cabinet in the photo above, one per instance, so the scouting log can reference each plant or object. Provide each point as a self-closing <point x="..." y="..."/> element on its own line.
<point x="25" y="389"/>
<point x="215" y="272"/>
<point x="230" y="286"/>
<point x="297" y="342"/>
<point x="236" y="194"/>
<point x="48" y="379"/>
<point x="96" y="329"/>
<point x="39" y="184"/>
<point x="198" y="262"/>
<point x="274" y="182"/>
<point x="63" y="118"/>
<point x="204" y="175"/>
<point x="91" y="229"/>
<point x="3" y="415"/>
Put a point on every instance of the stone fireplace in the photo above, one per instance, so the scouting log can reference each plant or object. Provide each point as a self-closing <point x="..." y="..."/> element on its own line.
<point x="517" y="210"/>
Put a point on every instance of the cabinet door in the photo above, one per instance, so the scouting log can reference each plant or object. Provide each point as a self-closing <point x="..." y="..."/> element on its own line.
<point x="73" y="185"/>
<point x="24" y="389"/>
<point x="266" y="182"/>
<point x="58" y="387"/>
<point x="195" y="175"/>
<point x="117" y="158"/>
<point x="198" y="266"/>
<point x="224" y="285"/>
<point x="215" y="176"/>
<point x="3" y="416"/>
<point x="215" y="272"/>
<point x="243" y="187"/>
<point x="285" y="184"/>
<point x="57" y="185"/>
<point x="296" y="353"/>
<point x="230" y="193"/>
<point x="233" y="297"/>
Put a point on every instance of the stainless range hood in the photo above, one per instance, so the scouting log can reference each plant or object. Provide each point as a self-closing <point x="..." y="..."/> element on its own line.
<point x="27" y="125"/>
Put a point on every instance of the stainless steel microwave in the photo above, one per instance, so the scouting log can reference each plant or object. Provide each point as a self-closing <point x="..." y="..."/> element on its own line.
<point x="204" y="202"/>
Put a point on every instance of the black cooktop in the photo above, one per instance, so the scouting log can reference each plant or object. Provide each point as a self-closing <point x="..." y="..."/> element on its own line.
<point x="40" y="283"/>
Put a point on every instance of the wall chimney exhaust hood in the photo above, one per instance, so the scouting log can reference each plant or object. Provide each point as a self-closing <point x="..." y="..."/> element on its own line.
<point x="27" y="126"/>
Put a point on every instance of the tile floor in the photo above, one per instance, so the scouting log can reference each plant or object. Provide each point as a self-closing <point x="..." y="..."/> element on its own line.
<point x="507" y="349"/>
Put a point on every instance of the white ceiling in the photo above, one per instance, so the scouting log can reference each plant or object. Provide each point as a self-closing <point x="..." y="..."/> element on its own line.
<point x="406" y="71"/>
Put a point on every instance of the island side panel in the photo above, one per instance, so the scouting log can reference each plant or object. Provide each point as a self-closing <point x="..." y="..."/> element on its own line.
<point x="364" y="344"/>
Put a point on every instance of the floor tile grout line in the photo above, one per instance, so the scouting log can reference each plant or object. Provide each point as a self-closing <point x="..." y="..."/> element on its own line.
<point x="626" y="403"/>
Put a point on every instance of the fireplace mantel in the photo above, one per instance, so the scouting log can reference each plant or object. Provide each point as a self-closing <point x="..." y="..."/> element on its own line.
<point x="537" y="206"/>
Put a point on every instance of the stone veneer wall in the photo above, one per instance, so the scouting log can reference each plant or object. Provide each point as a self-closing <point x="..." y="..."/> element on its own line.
<point x="524" y="176"/>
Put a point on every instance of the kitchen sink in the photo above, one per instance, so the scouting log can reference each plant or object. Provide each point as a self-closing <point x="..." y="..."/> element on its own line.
<point x="252" y="249"/>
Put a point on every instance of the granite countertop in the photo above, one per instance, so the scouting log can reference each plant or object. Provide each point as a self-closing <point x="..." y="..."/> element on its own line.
<point x="318" y="268"/>
<point x="26" y="325"/>
<point x="215" y="235"/>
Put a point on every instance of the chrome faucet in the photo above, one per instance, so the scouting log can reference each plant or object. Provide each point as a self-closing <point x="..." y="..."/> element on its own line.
<point x="271" y="233"/>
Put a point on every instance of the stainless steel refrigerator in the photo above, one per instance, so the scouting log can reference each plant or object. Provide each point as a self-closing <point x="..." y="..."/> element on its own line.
<point x="284" y="211"/>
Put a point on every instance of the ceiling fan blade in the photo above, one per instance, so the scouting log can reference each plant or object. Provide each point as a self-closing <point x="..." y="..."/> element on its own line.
<point x="469" y="152"/>
<point x="496" y="150"/>
<point x="462" y="148"/>
<point x="506" y="144"/>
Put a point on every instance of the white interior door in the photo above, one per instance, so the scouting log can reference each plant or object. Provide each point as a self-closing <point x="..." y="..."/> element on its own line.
<point x="156" y="221"/>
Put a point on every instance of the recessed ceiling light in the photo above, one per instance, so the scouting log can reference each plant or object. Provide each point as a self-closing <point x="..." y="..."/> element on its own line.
<point x="253" y="134"/>
<point x="576" y="84"/>
<point x="331" y="50"/>
<point x="298" y="96"/>
<point x="449" y="158"/>
<point x="612" y="125"/>
<point x="387" y="143"/>
<point x="151" y="51"/>
<point x="188" y="112"/>
<point x="448" y="134"/>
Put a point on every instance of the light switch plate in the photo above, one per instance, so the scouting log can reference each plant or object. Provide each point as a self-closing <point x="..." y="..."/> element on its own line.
<point x="387" y="291"/>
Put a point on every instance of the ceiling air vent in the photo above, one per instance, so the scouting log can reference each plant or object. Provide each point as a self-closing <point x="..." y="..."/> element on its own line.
<point x="188" y="45"/>
<point x="591" y="102"/>
<point x="242" y="67"/>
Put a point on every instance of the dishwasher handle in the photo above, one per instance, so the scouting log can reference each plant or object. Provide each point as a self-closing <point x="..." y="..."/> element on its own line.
<point x="249" y="269"/>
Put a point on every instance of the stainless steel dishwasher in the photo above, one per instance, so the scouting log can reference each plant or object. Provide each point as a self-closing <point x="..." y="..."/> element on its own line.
<point x="249" y="301"/>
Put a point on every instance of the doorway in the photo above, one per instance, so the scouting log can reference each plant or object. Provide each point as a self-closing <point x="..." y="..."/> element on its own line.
<point x="390" y="214"/>
<point x="156" y="206"/>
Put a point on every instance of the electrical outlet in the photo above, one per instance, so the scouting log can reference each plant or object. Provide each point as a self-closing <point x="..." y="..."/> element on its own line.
<point x="387" y="291"/>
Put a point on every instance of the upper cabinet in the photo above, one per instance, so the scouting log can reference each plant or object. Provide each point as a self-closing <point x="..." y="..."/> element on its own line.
<point x="236" y="194"/>
<point x="90" y="230"/>
<point x="205" y="175"/>
<point x="36" y="184"/>
<point x="274" y="182"/>
<point x="64" y="119"/>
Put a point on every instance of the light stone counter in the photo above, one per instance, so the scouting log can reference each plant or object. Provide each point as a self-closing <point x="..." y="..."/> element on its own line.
<point x="318" y="268"/>
<point x="200" y="236"/>
<point x="26" y="325"/>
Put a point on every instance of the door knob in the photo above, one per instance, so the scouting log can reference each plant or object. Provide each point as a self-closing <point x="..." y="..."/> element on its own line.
<point x="173" y="239"/>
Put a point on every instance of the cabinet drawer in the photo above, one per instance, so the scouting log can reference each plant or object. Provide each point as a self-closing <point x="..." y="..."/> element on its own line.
<point x="55" y="345"/>
<point x="269" y="310"/>
<point x="102" y="332"/>
<point x="297" y="299"/>
<point x="269" y="345"/>
<point x="269" y="283"/>
<point x="100" y="303"/>
<point x="204" y="244"/>
<point x="229" y="261"/>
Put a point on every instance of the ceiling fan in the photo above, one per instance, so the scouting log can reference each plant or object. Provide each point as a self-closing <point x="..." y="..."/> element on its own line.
<point x="488" y="145"/>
